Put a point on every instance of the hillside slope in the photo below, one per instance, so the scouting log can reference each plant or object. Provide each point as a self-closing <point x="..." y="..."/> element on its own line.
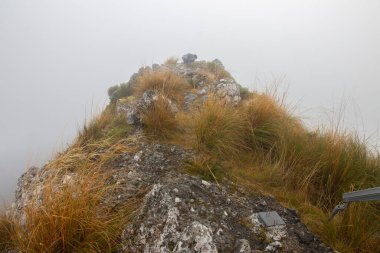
<point x="185" y="160"/>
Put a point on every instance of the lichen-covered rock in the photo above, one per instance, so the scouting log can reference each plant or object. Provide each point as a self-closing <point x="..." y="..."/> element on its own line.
<point x="182" y="213"/>
<point x="135" y="108"/>
<point x="228" y="90"/>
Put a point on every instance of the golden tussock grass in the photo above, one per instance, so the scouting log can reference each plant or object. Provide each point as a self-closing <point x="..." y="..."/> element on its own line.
<point x="159" y="120"/>
<point x="70" y="217"/>
<point x="218" y="129"/>
<point x="107" y="124"/>
<point x="164" y="82"/>
<point x="7" y="227"/>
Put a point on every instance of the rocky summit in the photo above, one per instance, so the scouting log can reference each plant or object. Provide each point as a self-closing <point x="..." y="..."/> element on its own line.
<point x="177" y="211"/>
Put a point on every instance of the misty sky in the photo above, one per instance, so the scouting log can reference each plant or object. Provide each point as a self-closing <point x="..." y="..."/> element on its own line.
<point x="57" y="59"/>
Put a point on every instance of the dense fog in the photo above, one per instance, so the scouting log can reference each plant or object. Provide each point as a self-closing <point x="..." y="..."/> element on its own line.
<point x="57" y="59"/>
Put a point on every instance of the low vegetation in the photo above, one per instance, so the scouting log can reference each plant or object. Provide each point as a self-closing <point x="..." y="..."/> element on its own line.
<point x="218" y="71"/>
<point x="119" y="91"/>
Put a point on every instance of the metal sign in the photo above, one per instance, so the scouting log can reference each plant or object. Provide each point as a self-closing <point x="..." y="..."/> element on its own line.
<point x="370" y="194"/>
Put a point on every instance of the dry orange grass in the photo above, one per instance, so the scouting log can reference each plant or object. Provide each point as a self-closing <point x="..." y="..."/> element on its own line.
<point x="159" y="120"/>
<point x="164" y="82"/>
<point x="266" y="122"/>
<point x="72" y="218"/>
<point x="6" y="231"/>
<point x="108" y="124"/>
<point x="172" y="61"/>
<point x="219" y="129"/>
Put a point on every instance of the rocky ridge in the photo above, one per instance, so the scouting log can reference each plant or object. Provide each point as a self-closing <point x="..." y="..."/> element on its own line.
<point x="181" y="212"/>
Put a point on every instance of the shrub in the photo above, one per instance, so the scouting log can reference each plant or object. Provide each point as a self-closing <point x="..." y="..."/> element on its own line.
<point x="217" y="70"/>
<point x="163" y="82"/>
<point x="244" y="93"/>
<point x="119" y="91"/>
<point x="159" y="119"/>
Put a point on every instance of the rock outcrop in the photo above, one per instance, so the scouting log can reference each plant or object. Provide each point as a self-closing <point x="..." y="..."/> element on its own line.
<point x="183" y="213"/>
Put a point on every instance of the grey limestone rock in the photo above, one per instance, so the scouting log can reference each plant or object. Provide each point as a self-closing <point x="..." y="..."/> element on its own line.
<point x="228" y="90"/>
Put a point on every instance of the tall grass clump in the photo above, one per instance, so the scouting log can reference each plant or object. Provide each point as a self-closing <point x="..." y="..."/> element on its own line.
<point x="106" y="124"/>
<point x="219" y="129"/>
<point x="6" y="232"/>
<point x="327" y="163"/>
<point x="72" y="218"/>
<point x="159" y="119"/>
<point x="266" y="123"/>
<point x="163" y="82"/>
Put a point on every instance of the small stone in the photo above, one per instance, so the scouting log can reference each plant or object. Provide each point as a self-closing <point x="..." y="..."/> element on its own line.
<point x="242" y="246"/>
<point x="304" y="237"/>
<point x="175" y="190"/>
<point x="67" y="179"/>
<point x="177" y="200"/>
<point x="202" y="91"/>
<point x="136" y="158"/>
<point x="205" y="183"/>
<point x="263" y="202"/>
<point x="272" y="247"/>
<point x="225" y="213"/>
